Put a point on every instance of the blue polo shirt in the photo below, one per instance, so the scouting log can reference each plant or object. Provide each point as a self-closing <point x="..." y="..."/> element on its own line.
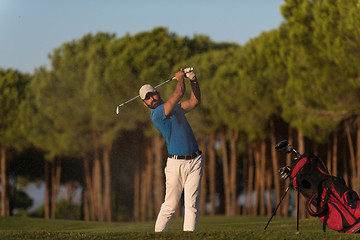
<point x="176" y="130"/>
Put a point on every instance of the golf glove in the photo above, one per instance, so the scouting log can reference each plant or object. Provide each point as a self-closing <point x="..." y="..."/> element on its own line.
<point x="187" y="70"/>
<point x="190" y="75"/>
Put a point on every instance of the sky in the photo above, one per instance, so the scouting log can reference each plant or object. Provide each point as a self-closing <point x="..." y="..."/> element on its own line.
<point x="32" y="29"/>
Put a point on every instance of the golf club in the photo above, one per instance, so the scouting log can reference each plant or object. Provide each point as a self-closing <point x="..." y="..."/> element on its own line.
<point x="186" y="70"/>
<point x="283" y="144"/>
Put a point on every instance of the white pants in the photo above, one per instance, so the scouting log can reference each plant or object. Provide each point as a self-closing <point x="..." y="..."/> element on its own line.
<point x="181" y="175"/>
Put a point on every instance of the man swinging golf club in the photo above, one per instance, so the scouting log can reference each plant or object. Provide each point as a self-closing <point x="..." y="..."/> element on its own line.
<point x="184" y="165"/>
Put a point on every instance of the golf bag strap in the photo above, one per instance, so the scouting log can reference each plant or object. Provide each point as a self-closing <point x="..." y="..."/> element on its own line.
<point x="323" y="201"/>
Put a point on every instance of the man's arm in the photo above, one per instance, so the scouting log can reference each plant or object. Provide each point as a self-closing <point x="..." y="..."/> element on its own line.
<point x="195" y="97"/>
<point x="170" y="104"/>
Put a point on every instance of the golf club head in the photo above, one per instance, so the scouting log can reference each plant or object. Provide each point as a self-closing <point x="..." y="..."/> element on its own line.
<point x="284" y="172"/>
<point x="281" y="145"/>
<point x="289" y="150"/>
<point x="117" y="109"/>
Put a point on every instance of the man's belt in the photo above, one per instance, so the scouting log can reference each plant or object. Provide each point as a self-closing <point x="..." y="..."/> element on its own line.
<point x="186" y="157"/>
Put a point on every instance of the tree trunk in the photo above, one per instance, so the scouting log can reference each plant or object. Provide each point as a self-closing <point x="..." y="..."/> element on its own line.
<point x="203" y="192"/>
<point x="107" y="183"/>
<point x="212" y="173"/>
<point x="5" y="185"/>
<point x="301" y="142"/>
<point x="158" y="168"/>
<point x="250" y="181"/>
<point x="55" y="183"/>
<point x="275" y="166"/>
<point x="334" y="169"/>
<point x="357" y="188"/>
<point x="145" y="185"/>
<point x="329" y="158"/>
<point x="286" y="201"/>
<point x="225" y="159"/>
<point x="47" y="182"/>
<point x="257" y="180"/>
<point x="262" y="176"/>
<point x="345" y="166"/>
<point x="137" y="192"/>
<point x="269" y="177"/>
<point x="96" y="187"/>
<point x="88" y="205"/>
<point x="233" y="171"/>
<point x="352" y="156"/>
<point x="149" y="184"/>
<point x="245" y="207"/>
<point x="97" y="182"/>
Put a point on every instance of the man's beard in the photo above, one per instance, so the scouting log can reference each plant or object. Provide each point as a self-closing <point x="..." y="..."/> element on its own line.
<point x="155" y="103"/>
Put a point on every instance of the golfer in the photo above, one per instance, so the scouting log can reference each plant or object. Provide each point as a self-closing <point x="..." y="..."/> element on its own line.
<point x="184" y="165"/>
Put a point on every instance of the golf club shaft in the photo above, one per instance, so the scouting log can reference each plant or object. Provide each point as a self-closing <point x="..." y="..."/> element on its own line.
<point x="118" y="107"/>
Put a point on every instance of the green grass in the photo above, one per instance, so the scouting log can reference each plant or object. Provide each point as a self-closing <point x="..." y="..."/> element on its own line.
<point x="217" y="227"/>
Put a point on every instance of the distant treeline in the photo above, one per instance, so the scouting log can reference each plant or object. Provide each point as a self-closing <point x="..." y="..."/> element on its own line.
<point x="299" y="82"/>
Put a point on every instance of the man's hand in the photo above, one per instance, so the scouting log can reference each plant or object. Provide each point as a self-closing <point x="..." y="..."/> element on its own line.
<point x="195" y="97"/>
<point x="170" y="104"/>
<point x="188" y="69"/>
<point x="179" y="75"/>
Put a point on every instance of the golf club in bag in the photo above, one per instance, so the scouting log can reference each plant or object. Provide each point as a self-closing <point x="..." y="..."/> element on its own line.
<point x="186" y="70"/>
<point x="328" y="197"/>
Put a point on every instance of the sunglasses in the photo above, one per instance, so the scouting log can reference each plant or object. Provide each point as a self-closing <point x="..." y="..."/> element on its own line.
<point x="150" y="94"/>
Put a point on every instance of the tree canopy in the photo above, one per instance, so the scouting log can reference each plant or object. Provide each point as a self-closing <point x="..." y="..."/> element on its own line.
<point x="304" y="75"/>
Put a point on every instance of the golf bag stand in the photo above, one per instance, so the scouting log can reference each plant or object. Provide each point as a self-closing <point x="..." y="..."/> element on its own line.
<point x="282" y="198"/>
<point x="273" y="214"/>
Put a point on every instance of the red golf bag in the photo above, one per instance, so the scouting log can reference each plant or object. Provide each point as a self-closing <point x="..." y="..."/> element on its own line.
<point x="328" y="197"/>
